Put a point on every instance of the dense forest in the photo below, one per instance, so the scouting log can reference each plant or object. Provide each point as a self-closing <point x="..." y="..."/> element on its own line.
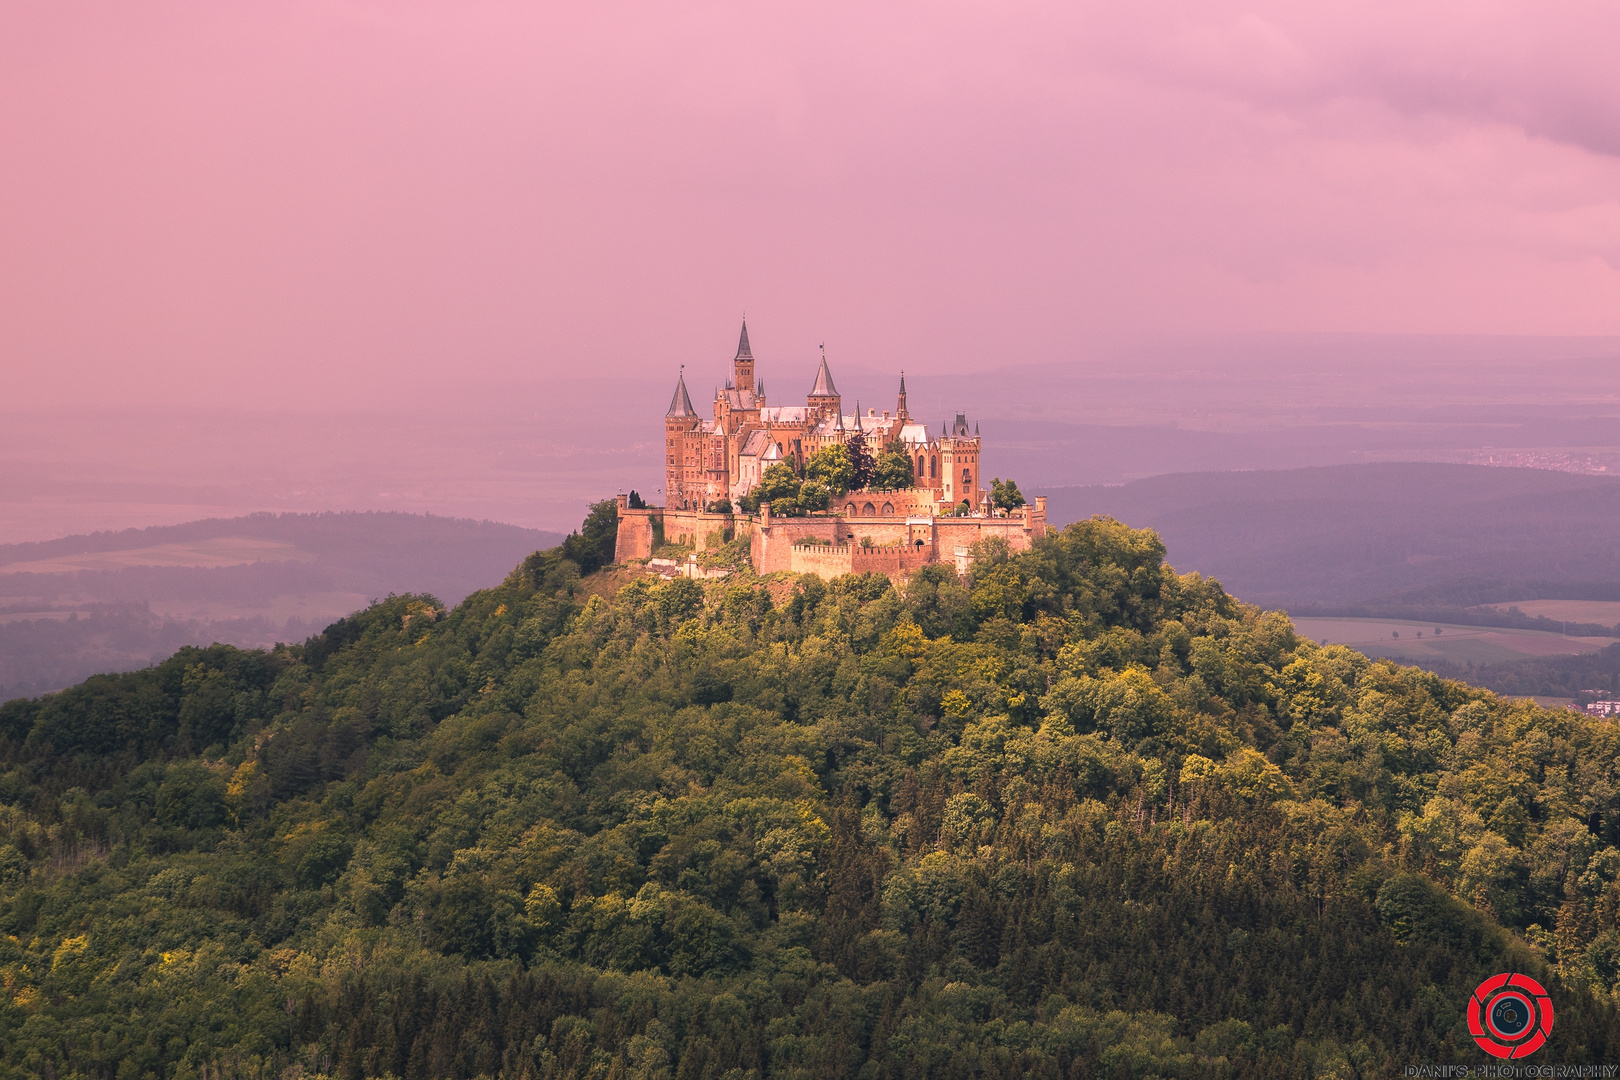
<point x="1072" y="815"/>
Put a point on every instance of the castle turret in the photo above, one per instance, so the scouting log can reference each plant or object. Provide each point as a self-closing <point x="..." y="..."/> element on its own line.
<point x="900" y="409"/>
<point x="823" y="399"/>
<point x="682" y="446"/>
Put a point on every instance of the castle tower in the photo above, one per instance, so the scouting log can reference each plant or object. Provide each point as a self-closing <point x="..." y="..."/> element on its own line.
<point x="742" y="367"/>
<point x="960" y="481"/>
<point x="683" y="448"/>
<point x="824" y="399"/>
<point x="900" y="406"/>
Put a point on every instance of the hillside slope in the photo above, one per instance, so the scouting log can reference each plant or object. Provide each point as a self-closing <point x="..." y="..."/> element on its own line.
<point x="1077" y="816"/>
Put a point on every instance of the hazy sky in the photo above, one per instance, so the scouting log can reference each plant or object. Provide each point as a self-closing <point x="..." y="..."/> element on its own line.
<point x="348" y="204"/>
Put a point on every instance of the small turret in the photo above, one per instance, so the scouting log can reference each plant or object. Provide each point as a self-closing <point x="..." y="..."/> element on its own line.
<point x="823" y="398"/>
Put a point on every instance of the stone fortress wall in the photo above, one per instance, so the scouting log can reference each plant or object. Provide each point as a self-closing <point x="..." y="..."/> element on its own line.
<point x="829" y="545"/>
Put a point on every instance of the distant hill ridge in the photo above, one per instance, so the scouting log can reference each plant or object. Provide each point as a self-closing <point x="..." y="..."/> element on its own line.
<point x="314" y="531"/>
<point x="58" y="628"/>
<point x="1345" y="535"/>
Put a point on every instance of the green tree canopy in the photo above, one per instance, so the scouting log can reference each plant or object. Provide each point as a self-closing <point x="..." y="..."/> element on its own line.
<point x="1069" y="813"/>
<point x="862" y="467"/>
<point x="592" y="547"/>
<point x="894" y="470"/>
<point x="832" y="466"/>
<point x="779" y="486"/>
<point x="1004" y="495"/>
<point x="813" y="495"/>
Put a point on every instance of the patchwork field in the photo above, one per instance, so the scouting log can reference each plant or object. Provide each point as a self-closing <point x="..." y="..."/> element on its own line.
<point x="198" y="554"/>
<point x="1415" y="641"/>
<point x="1603" y="612"/>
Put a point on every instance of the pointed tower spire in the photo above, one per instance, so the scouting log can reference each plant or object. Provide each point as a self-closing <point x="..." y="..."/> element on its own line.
<point x="681" y="404"/>
<point x="824" y="381"/>
<point x="742" y="365"/>
<point x="900" y="409"/>
<point x="824" y="399"/>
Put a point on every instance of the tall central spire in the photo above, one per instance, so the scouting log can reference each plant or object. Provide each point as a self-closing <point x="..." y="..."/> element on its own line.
<point x="742" y="366"/>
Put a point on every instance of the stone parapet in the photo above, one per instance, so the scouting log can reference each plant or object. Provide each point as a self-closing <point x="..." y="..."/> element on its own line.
<point x="833" y="544"/>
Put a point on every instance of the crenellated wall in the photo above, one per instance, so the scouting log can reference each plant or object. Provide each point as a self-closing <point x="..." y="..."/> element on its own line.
<point x="897" y="545"/>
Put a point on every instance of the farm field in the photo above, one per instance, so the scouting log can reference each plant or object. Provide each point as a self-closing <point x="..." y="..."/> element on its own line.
<point x="199" y="554"/>
<point x="1603" y="612"/>
<point x="1459" y="644"/>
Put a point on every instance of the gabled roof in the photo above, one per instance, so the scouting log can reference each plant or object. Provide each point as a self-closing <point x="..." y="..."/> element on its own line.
<point x="824" y="385"/>
<point x="681" y="403"/>
<point x="743" y="351"/>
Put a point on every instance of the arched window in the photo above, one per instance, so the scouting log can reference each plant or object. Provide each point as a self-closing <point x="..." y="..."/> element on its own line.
<point x="919" y="465"/>
<point x="933" y="464"/>
<point x="888" y="509"/>
<point x="868" y="510"/>
<point x="967" y="478"/>
<point x="850" y="509"/>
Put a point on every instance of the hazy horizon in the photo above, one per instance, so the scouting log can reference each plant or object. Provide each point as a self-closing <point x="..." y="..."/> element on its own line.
<point x="535" y="454"/>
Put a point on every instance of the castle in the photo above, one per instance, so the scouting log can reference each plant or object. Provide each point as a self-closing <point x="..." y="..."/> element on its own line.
<point x="711" y="465"/>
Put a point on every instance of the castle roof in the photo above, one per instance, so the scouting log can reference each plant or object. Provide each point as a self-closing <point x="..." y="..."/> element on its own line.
<point x="914" y="433"/>
<point x="740" y="399"/>
<point x="824" y="385"/>
<point x="755" y="444"/>
<point x="784" y="414"/>
<point x="743" y="351"/>
<point x="681" y="403"/>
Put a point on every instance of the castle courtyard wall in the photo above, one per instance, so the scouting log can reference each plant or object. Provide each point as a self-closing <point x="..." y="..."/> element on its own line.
<point x="842" y="545"/>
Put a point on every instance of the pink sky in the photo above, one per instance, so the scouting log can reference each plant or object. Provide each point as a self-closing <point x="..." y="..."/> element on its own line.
<point x="351" y="204"/>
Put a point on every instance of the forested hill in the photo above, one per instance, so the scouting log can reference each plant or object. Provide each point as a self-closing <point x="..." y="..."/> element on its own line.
<point x="1076" y="816"/>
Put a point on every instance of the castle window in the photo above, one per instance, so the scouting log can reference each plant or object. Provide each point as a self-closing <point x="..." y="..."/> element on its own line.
<point x="850" y="509"/>
<point x="967" y="478"/>
<point x="868" y="510"/>
<point x="888" y="509"/>
<point x="933" y="463"/>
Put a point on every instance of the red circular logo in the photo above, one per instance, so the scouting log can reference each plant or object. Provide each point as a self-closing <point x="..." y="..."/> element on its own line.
<point x="1510" y="1016"/>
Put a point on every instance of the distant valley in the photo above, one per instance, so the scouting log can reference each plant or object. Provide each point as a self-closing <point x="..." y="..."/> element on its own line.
<point x="112" y="601"/>
<point x="1520" y="568"/>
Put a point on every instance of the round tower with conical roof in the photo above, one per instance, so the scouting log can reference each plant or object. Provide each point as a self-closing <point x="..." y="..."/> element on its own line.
<point x="682" y="447"/>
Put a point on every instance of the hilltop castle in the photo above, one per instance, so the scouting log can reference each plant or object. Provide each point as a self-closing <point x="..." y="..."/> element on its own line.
<point x="708" y="462"/>
<point x="712" y="464"/>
